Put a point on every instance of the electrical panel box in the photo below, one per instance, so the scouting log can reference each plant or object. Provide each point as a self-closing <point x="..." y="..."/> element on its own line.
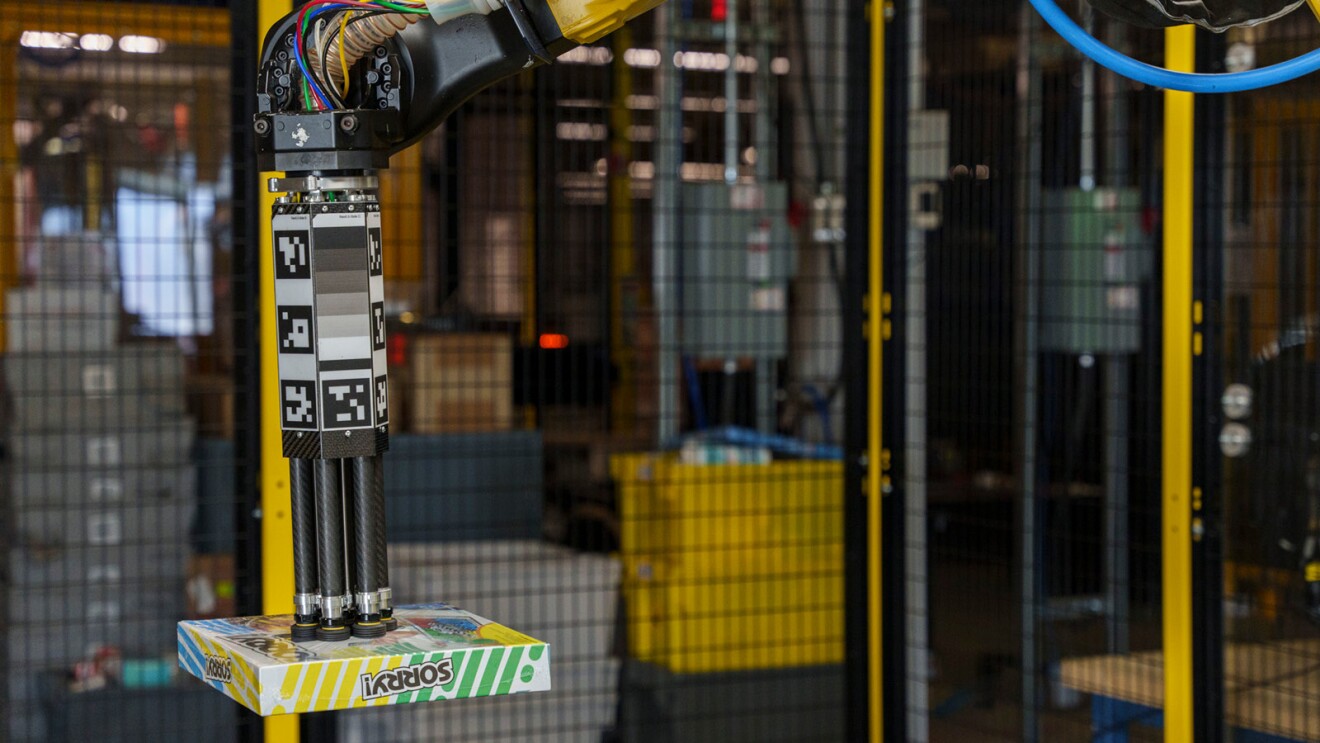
<point x="1094" y="258"/>
<point x="737" y="259"/>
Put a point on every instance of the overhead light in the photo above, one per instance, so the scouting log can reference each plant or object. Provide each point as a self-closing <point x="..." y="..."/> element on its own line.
<point x="779" y="65"/>
<point x="641" y="57"/>
<point x="592" y="55"/>
<point x="581" y="131"/>
<point x="47" y="40"/>
<point x="141" y="44"/>
<point x="96" y="42"/>
<point x="709" y="61"/>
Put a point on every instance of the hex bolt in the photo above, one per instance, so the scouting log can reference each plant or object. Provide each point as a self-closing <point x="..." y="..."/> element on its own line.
<point x="349" y="123"/>
<point x="261" y="126"/>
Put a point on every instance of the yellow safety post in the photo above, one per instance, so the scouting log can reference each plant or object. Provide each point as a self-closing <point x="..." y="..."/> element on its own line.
<point x="276" y="526"/>
<point x="875" y="304"/>
<point x="1180" y="54"/>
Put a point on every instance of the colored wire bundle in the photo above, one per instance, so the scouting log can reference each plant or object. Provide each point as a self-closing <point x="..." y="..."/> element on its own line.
<point x="317" y="92"/>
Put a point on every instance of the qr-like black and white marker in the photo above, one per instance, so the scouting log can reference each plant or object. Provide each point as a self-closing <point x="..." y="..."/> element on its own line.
<point x="298" y="403"/>
<point x="378" y="326"/>
<point x="375" y="253"/>
<point x="347" y="402"/>
<point x="382" y="400"/>
<point x="291" y="258"/>
<point x="295" y="325"/>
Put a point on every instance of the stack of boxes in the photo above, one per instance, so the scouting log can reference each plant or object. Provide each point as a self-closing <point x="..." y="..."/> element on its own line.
<point x="98" y="492"/>
<point x="733" y="588"/>
<point x="552" y="593"/>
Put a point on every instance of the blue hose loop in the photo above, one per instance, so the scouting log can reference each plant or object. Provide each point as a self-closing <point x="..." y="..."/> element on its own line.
<point x="1231" y="82"/>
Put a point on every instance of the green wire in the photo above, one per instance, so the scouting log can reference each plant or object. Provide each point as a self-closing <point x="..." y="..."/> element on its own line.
<point x="306" y="21"/>
<point x="402" y="8"/>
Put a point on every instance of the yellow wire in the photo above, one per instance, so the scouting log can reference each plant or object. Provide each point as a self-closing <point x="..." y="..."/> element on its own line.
<point x="343" y="61"/>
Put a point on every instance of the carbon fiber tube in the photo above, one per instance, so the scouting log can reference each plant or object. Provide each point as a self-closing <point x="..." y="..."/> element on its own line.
<point x="330" y="549"/>
<point x="302" y="501"/>
<point x="365" y="517"/>
<point x="350" y="525"/>
<point x="382" y="552"/>
<point x="303" y="513"/>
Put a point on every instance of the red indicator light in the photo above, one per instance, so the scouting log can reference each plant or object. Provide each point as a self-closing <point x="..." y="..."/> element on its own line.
<point x="551" y="341"/>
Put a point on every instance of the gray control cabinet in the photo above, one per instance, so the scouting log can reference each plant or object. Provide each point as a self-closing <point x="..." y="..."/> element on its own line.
<point x="1094" y="259"/>
<point x="737" y="259"/>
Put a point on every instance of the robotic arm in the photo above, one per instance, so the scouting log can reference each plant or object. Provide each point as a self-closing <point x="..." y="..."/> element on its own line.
<point x="342" y="85"/>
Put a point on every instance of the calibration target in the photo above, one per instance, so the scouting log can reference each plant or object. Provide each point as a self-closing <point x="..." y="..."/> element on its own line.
<point x="295" y="326"/>
<point x="347" y="402"/>
<point x="291" y="258"/>
<point x="382" y="400"/>
<point x="298" y="404"/>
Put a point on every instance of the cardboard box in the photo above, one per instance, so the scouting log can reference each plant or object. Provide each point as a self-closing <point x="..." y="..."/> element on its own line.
<point x="461" y="382"/>
<point x="36" y="565"/>
<point x="97" y="487"/>
<point x="103" y="602"/>
<point x="73" y="318"/>
<point x="126" y="386"/>
<point x="568" y="598"/>
<point x="141" y="523"/>
<point x="439" y="652"/>
<point x="210" y="586"/>
<point x="164" y="444"/>
<point x="211" y="404"/>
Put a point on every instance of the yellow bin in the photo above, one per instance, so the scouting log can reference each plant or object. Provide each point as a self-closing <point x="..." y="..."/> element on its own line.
<point x="731" y="567"/>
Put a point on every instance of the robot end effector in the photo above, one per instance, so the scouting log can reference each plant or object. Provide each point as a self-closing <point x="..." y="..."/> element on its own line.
<point x="344" y="84"/>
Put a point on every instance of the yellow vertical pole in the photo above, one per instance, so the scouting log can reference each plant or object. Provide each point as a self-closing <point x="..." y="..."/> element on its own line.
<point x="276" y="526"/>
<point x="875" y="355"/>
<point x="1180" y="54"/>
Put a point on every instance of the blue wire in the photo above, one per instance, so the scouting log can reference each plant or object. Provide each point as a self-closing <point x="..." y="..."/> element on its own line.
<point x="298" y="52"/>
<point x="1233" y="82"/>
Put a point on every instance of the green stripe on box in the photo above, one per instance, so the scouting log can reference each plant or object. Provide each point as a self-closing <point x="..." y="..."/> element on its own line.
<point x="487" y="684"/>
<point x="408" y="697"/>
<point x="469" y="673"/>
<point x="427" y="694"/>
<point x="459" y="661"/>
<point x="510" y="670"/>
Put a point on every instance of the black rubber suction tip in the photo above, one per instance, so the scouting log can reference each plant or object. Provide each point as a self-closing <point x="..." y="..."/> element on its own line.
<point x="332" y="634"/>
<point x="369" y="629"/>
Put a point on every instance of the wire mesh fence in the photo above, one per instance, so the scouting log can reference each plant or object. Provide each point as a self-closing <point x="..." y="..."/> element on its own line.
<point x="118" y="365"/>
<point x="613" y="292"/>
<point x="1029" y="320"/>
<point x="616" y="304"/>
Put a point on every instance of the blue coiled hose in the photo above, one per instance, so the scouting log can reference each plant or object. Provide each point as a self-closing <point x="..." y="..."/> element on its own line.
<point x="1230" y="82"/>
